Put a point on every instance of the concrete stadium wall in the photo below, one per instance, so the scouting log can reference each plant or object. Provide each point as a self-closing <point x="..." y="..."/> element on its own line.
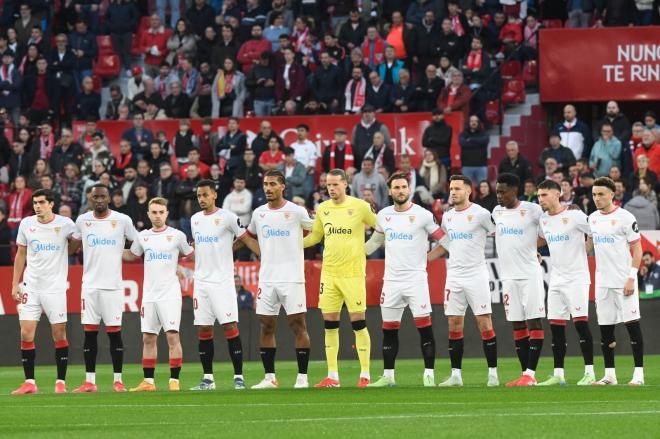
<point x="249" y="327"/>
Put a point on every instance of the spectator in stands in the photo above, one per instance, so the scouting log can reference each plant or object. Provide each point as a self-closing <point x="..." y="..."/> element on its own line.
<point x="233" y="143"/>
<point x="651" y="149"/>
<point x="529" y="191"/>
<point x="83" y="44"/>
<point x="181" y="44"/>
<point x="563" y="155"/>
<point x="326" y="84"/>
<point x="251" y="50"/>
<point x="11" y="81"/>
<point x="567" y="196"/>
<point x="144" y="172"/>
<point x="177" y="104"/>
<point x="139" y="137"/>
<point x="306" y="153"/>
<point x="156" y="157"/>
<point x="88" y="102"/>
<point x="649" y="273"/>
<point x="228" y="91"/>
<point x="510" y="35"/>
<point x="39" y="169"/>
<point x="226" y="47"/>
<point x="126" y="159"/>
<point x="550" y="166"/>
<point x="434" y="174"/>
<point x="117" y="202"/>
<point x="65" y="152"/>
<point x="20" y="204"/>
<point x="163" y="82"/>
<point x="515" y="163"/>
<point x="99" y="152"/>
<point x="378" y="93"/>
<point x="200" y="16"/>
<point x="244" y="297"/>
<point x="193" y="159"/>
<point x="121" y="18"/>
<point x="427" y="41"/>
<point x="529" y="48"/>
<point x="615" y="13"/>
<point x="476" y="66"/>
<point x="138" y="206"/>
<point x="184" y="140"/>
<point x="478" y="29"/>
<point x="643" y="206"/>
<point x="251" y="170"/>
<point x="21" y="162"/>
<point x="153" y="44"/>
<point x="580" y="13"/>
<point x="261" y="85"/>
<point x="339" y="154"/>
<point x="207" y="141"/>
<point x="651" y="121"/>
<point x="127" y="185"/>
<point x="368" y="178"/>
<point x="446" y="69"/>
<point x="403" y="94"/>
<point x="353" y="31"/>
<point x="474" y="150"/>
<point x="356" y="60"/>
<point x="39" y="88"/>
<point x="456" y="96"/>
<point x="450" y="43"/>
<point x="272" y="157"/>
<point x="206" y="43"/>
<point x="645" y="190"/>
<point x="643" y="171"/>
<point x="363" y="134"/>
<point x="584" y="198"/>
<point x="153" y="111"/>
<point x="606" y="151"/>
<point x="5" y="239"/>
<point x="25" y="22"/>
<point x="399" y="38"/>
<point x="186" y="198"/>
<point x="355" y="92"/>
<point x="373" y="47"/>
<point x="190" y="76"/>
<point x="619" y="122"/>
<point x="276" y="29"/>
<point x="239" y="201"/>
<point x="260" y="142"/>
<point x="621" y="195"/>
<point x="71" y="187"/>
<point x="429" y="89"/>
<point x="165" y="186"/>
<point x="295" y="174"/>
<point x="575" y="134"/>
<point x="381" y="154"/>
<point x="116" y="100"/>
<point x="615" y="173"/>
<point x="136" y="83"/>
<point x="437" y="137"/>
<point x="290" y="82"/>
<point x="485" y="196"/>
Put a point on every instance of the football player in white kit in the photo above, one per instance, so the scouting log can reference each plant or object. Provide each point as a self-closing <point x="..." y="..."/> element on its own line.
<point x="278" y="226"/>
<point x="104" y="233"/>
<point x="564" y="230"/>
<point x="405" y="229"/>
<point x="214" y="298"/>
<point x="161" y="246"/>
<point x="615" y="233"/>
<point x="516" y="238"/>
<point x="42" y="243"/>
<point x="466" y="227"/>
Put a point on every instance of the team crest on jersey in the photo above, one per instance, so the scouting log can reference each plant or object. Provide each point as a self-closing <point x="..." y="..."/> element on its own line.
<point x="217" y="221"/>
<point x="57" y="230"/>
<point x="387" y="218"/>
<point x="564" y="220"/>
<point x="88" y="223"/>
<point x="33" y="229"/>
<point x="113" y="223"/>
<point x="287" y="215"/>
<point x="350" y="212"/>
<point x="326" y="213"/>
<point x="146" y="239"/>
<point x="411" y="218"/>
<point x="522" y="212"/>
<point x="545" y="223"/>
<point x="169" y="238"/>
<point x="262" y="215"/>
<point x="613" y="222"/>
<point x="449" y="219"/>
<point x="469" y="217"/>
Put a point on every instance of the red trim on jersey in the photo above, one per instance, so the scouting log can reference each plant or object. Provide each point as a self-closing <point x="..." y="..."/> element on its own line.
<point x="21" y="245"/>
<point x="76" y="239"/>
<point x="176" y="362"/>
<point x="581" y="319"/>
<point x="423" y="322"/>
<point x="561" y="211"/>
<point x="61" y="344"/>
<point x="404" y="210"/>
<point x="211" y="213"/>
<point x="131" y="252"/>
<point x="455" y="335"/>
<point x="159" y="231"/>
<point x="191" y="252"/>
<point x="149" y="363"/>
<point x="558" y="322"/>
<point x="91" y="328"/>
<point x="613" y="210"/>
<point x="536" y="334"/>
<point x="47" y="222"/>
<point x="238" y="238"/>
<point x="101" y="217"/>
<point x="456" y="209"/>
<point x="112" y="329"/>
<point x="232" y="333"/>
<point x="27" y="345"/>
<point x="633" y="242"/>
<point x="488" y="335"/>
<point x="391" y="325"/>
<point x="438" y="234"/>
<point x="519" y="334"/>
<point x="277" y="208"/>
<point x="250" y="233"/>
<point x="206" y="335"/>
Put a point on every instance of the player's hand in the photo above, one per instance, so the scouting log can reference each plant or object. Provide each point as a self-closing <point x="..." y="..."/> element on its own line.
<point x="16" y="292"/>
<point x="539" y="257"/>
<point x="629" y="287"/>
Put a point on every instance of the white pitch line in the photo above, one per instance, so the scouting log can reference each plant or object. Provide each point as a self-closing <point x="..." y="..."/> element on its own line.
<point x="322" y="404"/>
<point x="362" y="418"/>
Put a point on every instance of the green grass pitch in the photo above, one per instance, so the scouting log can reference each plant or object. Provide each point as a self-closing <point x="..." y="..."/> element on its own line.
<point x="408" y="409"/>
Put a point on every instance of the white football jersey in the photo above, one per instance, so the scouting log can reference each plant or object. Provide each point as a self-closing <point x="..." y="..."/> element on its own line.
<point x="280" y="235"/>
<point x="103" y="241"/>
<point x="465" y="238"/>
<point x="406" y="241"/>
<point x="214" y="236"/>
<point x="47" y="253"/>
<point x="161" y="252"/>
<point x="612" y="234"/>
<point x="564" y="232"/>
<point x="516" y="232"/>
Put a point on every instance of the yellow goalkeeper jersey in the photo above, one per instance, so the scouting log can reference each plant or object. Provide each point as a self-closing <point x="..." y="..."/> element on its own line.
<point x="342" y="228"/>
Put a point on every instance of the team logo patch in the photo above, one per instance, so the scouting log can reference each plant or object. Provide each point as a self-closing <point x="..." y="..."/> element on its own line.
<point x="593" y="222"/>
<point x="169" y="238"/>
<point x="358" y="303"/>
<point x="423" y="306"/>
<point x="217" y="221"/>
<point x="411" y="218"/>
<point x="545" y="223"/>
<point x="88" y="223"/>
<point x="326" y="212"/>
<point x="387" y="218"/>
<point x="171" y="322"/>
<point x="196" y="223"/>
<point x="287" y="215"/>
<point x="57" y="230"/>
<point x="578" y="308"/>
<point x="613" y="222"/>
<point x="522" y="212"/>
<point x="469" y="217"/>
<point x="564" y="220"/>
<point x="449" y="219"/>
<point x="262" y="215"/>
<point x="350" y="211"/>
<point x="33" y="229"/>
<point x="635" y="227"/>
<point x="146" y="239"/>
<point x="113" y="223"/>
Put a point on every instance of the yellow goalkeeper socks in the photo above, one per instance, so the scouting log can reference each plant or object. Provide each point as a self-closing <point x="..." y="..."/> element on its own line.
<point x="363" y="345"/>
<point x="332" y="348"/>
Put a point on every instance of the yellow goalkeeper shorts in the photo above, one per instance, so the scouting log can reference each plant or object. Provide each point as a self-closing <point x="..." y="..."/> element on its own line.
<point x="335" y="291"/>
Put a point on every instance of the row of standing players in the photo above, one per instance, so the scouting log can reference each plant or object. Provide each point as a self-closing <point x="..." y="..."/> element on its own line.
<point x="276" y="229"/>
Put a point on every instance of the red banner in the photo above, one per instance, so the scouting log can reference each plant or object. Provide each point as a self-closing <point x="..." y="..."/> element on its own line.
<point x="600" y="64"/>
<point x="406" y="130"/>
<point x="249" y="272"/>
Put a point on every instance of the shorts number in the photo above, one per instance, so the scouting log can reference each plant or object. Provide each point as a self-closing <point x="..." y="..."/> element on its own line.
<point x="447" y="293"/>
<point x="382" y="297"/>
<point x="259" y="294"/>
<point x="24" y="298"/>
<point x="505" y="298"/>
<point x="142" y="312"/>
<point x="194" y="303"/>
<point x="82" y="304"/>
<point x="321" y="290"/>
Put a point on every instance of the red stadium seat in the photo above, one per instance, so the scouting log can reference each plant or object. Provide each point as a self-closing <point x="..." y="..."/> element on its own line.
<point x="529" y="74"/>
<point x="513" y="92"/>
<point x="493" y="115"/>
<point x="104" y="42"/>
<point x="98" y="84"/>
<point x="553" y="24"/>
<point x="107" y="66"/>
<point x="511" y="69"/>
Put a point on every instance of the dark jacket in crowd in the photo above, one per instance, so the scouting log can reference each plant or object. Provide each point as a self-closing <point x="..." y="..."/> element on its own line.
<point x="60" y="158"/>
<point x="474" y="147"/>
<point x="87" y="105"/>
<point x="520" y="167"/>
<point x="327" y="84"/>
<point x="87" y="43"/>
<point x="381" y="99"/>
<point x="437" y="137"/>
<point x="121" y="17"/>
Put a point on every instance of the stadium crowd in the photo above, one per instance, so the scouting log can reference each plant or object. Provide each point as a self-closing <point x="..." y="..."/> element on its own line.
<point x="207" y="59"/>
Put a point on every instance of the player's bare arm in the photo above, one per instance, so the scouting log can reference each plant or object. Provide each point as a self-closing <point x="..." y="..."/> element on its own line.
<point x="315" y="236"/>
<point x="589" y="245"/>
<point x="250" y="243"/>
<point x="74" y="246"/>
<point x="374" y="243"/>
<point x="129" y="256"/>
<point x="437" y="252"/>
<point x="629" y="287"/>
<point x="19" y="266"/>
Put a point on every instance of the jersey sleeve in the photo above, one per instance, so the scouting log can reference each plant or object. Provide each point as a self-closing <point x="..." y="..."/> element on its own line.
<point x="317" y="231"/>
<point x="252" y="227"/>
<point x="77" y="232"/>
<point x="368" y="215"/>
<point x="537" y="211"/>
<point x="69" y="229"/>
<point x="379" y="222"/>
<point x="235" y="225"/>
<point x="305" y="221"/>
<point x="136" y="248"/>
<point x="432" y="228"/>
<point x="185" y="249"/>
<point x="21" y="239"/>
<point x="487" y="222"/>
<point x="582" y="222"/>
<point x="631" y="229"/>
<point x="129" y="230"/>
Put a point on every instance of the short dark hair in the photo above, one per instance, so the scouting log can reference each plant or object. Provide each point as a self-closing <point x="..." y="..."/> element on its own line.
<point x="648" y="253"/>
<point x="338" y="173"/>
<point x="235" y="119"/>
<point x="549" y="184"/>
<point x="206" y="183"/>
<point x="397" y="176"/>
<point x="49" y="194"/>
<point x="605" y="182"/>
<point x="511" y="180"/>
<point x="302" y="125"/>
<point x="464" y="178"/>
<point x="100" y="186"/>
<point x="287" y="150"/>
<point x="275" y="173"/>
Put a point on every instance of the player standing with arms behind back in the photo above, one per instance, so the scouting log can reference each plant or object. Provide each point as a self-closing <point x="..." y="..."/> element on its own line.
<point x="614" y="233"/>
<point x="214" y="231"/>
<point x="104" y="233"/>
<point x="161" y="298"/>
<point x="340" y="222"/>
<point x="42" y="243"/>
<point x="568" y="295"/>
<point x="516" y="238"/>
<point x="404" y="229"/>
<point x="466" y="227"/>
<point x="278" y="226"/>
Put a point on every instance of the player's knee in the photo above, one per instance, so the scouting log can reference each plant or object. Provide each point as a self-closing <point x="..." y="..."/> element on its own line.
<point x="298" y="327"/>
<point x="58" y="333"/>
<point x="231" y="330"/>
<point x="485" y="323"/>
<point x="455" y="324"/>
<point x="359" y="325"/>
<point x="268" y="326"/>
<point x="27" y="335"/>
<point x="205" y="332"/>
<point x="149" y="340"/>
<point x="173" y="338"/>
<point x="110" y="330"/>
<point x="331" y="324"/>
<point x="534" y="324"/>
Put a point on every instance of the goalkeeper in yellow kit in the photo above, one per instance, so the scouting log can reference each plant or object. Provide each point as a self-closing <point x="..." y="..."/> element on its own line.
<point x="340" y="221"/>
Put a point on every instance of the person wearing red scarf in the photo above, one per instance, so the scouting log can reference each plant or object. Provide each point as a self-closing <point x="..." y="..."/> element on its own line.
<point x="339" y="154"/>
<point x="20" y="205"/>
